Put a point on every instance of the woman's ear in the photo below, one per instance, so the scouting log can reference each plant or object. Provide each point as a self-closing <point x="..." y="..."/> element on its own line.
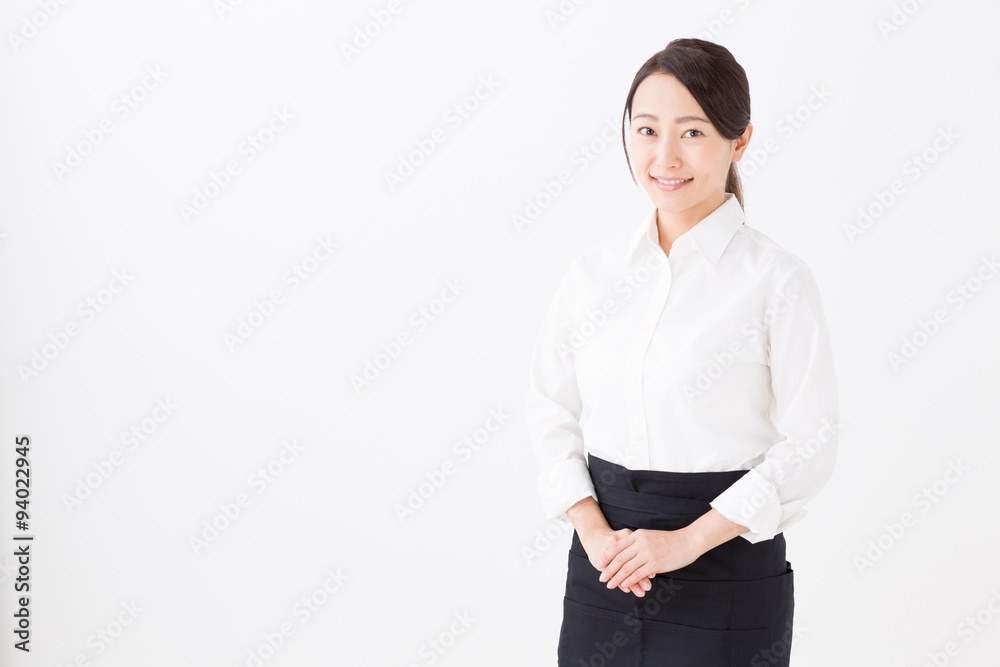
<point x="741" y="143"/>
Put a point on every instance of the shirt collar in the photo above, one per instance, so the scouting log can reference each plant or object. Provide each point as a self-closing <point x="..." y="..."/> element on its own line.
<point x="710" y="236"/>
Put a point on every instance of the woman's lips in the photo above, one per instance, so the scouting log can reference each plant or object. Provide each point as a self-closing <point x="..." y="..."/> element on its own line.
<point x="671" y="184"/>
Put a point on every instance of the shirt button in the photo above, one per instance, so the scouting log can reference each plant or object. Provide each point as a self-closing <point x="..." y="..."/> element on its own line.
<point x="638" y="437"/>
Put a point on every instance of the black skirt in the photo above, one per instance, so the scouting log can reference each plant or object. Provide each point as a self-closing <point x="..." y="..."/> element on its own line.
<point x="731" y="606"/>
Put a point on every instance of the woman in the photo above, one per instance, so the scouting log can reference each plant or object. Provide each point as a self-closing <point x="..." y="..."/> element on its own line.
<point x="683" y="403"/>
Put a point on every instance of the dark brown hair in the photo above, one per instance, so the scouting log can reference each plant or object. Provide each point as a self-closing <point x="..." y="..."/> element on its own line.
<point x="715" y="80"/>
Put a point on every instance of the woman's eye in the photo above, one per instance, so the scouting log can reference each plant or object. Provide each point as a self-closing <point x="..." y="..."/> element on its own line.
<point x="698" y="131"/>
<point x="644" y="128"/>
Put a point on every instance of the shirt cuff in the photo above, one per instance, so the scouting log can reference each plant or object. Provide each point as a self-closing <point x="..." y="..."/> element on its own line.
<point x="752" y="501"/>
<point x="563" y="485"/>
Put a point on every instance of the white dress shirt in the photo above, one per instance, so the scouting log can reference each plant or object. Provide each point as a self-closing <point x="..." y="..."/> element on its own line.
<point x="715" y="358"/>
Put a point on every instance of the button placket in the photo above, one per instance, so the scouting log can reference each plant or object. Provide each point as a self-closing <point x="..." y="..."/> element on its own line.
<point x="638" y="445"/>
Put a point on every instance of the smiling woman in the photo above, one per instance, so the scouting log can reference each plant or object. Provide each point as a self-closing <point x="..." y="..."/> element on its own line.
<point x="703" y="131"/>
<point x="701" y="405"/>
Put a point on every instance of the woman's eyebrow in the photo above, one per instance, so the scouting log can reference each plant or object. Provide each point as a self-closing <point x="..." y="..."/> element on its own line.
<point x="679" y="119"/>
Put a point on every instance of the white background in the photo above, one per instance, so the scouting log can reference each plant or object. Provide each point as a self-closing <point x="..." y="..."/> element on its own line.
<point x="477" y="545"/>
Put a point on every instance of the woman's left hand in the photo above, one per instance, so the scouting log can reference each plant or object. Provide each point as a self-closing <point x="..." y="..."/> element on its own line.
<point x="644" y="553"/>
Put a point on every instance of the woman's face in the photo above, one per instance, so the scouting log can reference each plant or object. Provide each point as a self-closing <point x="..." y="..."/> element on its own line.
<point x="671" y="138"/>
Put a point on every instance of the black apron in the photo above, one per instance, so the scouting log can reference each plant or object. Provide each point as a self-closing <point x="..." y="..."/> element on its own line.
<point x="731" y="606"/>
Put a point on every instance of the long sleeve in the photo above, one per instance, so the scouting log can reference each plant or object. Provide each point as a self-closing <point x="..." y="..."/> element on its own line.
<point x="553" y="406"/>
<point x="805" y="411"/>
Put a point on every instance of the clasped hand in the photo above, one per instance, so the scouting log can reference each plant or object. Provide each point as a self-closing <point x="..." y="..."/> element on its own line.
<point x="629" y="559"/>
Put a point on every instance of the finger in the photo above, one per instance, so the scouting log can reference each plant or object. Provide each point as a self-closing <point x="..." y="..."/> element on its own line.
<point x="608" y="554"/>
<point x="613" y="568"/>
<point x="640" y="589"/>
<point x="624" y="573"/>
<point x="626" y="589"/>
<point x="637" y="575"/>
<point x="614" y="550"/>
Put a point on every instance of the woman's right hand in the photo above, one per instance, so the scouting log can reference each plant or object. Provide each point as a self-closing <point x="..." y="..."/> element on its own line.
<point x="602" y="547"/>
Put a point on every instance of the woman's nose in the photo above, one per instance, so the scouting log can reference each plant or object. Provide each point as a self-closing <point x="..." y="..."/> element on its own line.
<point x="668" y="155"/>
